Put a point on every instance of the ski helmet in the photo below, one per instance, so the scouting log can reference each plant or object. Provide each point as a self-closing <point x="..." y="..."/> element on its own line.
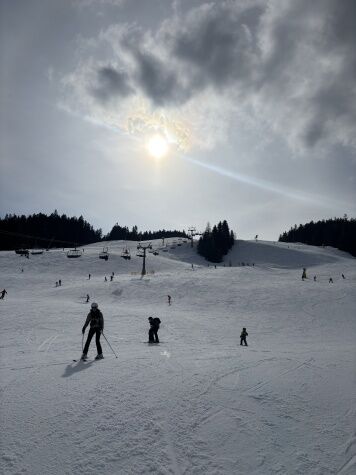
<point x="94" y="305"/>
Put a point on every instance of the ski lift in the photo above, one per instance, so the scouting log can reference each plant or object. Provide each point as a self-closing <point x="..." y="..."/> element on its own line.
<point x="36" y="252"/>
<point x="73" y="253"/>
<point x="155" y="253"/>
<point x="22" y="252"/>
<point x="104" y="254"/>
<point x="126" y="254"/>
<point x="139" y="254"/>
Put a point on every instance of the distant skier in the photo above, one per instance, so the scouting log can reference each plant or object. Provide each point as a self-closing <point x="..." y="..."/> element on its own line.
<point x="153" y="331"/>
<point x="111" y="278"/>
<point x="169" y="299"/>
<point x="342" y="275"/>
<point x="96" y="320"/>
<point x="56" y="284"/>
<point x="304" y="275"/>
<point x="59" y="282"/>
<point x="331" y="280"/>
<point x="243" y="336"/>
<point x="89" y="276"/>
<point x="106" y="279"/>
<point x="314" y="278"/>
<point x="88" y="298"/>
<point x="2" y="294"/>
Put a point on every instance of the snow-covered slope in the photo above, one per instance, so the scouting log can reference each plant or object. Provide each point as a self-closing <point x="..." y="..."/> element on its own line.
<point x="198" y="403"/>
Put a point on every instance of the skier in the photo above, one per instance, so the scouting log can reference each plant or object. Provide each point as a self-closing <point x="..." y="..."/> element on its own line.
<point x="243" y="336"/>
<point x="314" y="278"/>
<point x="331" y="280"/>
<point x="59" y="282"/>
<point x="153" y="331"/>
<point x="342" y="275"/>
<point x="96" y="320"/>
<point x="2" y="294"/>
<point x="106" y="279"/>
<point x="304" y="275"/>
<point x="56" y="284"/>
<point x="88" y="298"/>
<point x="111" y="278"/>
<point x="89" y="276"/>
<point x="169" y="299"/>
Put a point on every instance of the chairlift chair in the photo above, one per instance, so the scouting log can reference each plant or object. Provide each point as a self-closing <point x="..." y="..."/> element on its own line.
<point x="36" y="252"/>
<point x="22" y="252"/>
<point x="126" y="254"/>
<point x="74" y="253"/>
<point x="104" y="254"/>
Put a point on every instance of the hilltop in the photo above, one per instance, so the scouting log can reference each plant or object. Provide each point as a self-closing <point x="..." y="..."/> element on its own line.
<point x="198" y="402"/>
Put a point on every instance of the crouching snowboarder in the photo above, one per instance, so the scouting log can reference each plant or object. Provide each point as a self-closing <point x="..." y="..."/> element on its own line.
<point x="96" y="320"/>
<point x="153" y="331"/>
<point x="243" y="336"/>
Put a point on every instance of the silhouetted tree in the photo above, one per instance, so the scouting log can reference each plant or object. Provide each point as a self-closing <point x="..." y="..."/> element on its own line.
<point x="216" y="242"/>
<point x="336" y="232"/>
<point x="40" y="230"/>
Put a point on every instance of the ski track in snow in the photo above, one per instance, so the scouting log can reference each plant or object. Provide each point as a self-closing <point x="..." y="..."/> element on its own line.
<point x="198" y="403"/>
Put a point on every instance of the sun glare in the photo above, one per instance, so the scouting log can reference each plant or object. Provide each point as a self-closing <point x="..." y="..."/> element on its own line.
<point x="157" y="146"/>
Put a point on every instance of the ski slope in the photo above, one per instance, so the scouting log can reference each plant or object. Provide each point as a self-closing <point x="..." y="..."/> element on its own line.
<point x="198" y="403"/>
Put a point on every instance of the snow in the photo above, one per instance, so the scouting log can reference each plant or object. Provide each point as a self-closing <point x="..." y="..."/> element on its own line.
<point x="198" y="403"/>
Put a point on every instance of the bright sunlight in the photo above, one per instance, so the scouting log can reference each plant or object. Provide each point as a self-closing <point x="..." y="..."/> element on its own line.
<point x="157" y="146"/>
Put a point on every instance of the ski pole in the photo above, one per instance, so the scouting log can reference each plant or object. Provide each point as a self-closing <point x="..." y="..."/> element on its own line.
<point x="109" y="344"/>
<point x="82" y="341"/>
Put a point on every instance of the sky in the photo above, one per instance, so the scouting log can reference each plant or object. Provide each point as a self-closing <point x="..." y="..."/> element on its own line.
<point x="174" y="113"/>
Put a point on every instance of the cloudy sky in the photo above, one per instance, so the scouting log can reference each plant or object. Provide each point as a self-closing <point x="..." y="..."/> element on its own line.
<point x="173" y="113"/>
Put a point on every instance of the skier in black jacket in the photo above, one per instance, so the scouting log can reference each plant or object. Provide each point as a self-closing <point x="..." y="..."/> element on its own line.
<point x="96" y="320"/>
<point x="243" y="336"/>
<point x="153" y="331"/>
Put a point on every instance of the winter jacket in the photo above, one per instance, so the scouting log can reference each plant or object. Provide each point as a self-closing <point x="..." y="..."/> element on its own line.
<point x="244" y="334"/>
<point x="155" y="323"/>
<point x="96" y="320"/>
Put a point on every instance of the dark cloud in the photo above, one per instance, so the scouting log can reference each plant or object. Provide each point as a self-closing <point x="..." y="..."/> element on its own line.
<point x="159" y="82"/>
<point x="111" y="84"/>
<point x="295" y="59"/>
<point x="218" y="43"/>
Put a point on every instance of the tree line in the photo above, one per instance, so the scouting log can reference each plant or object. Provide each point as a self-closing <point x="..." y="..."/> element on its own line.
<point x="216" y="242"/>
<point x="46" y="231"/>
<point x="42" y="231"/>
<point x="122" y="233"/>
<point x="336" y="232"/>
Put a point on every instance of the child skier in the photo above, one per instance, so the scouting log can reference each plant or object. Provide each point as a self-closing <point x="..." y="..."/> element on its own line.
<point x="153" y="331"/>
<point x="243" y="336"/>
<point x="96" y="320"/>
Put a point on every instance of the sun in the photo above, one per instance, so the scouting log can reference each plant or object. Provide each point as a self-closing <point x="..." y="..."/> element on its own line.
<point x="157" y="146"/>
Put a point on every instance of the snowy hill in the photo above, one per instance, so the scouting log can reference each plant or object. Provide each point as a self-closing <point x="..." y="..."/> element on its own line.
<point x="197" y="403"/>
